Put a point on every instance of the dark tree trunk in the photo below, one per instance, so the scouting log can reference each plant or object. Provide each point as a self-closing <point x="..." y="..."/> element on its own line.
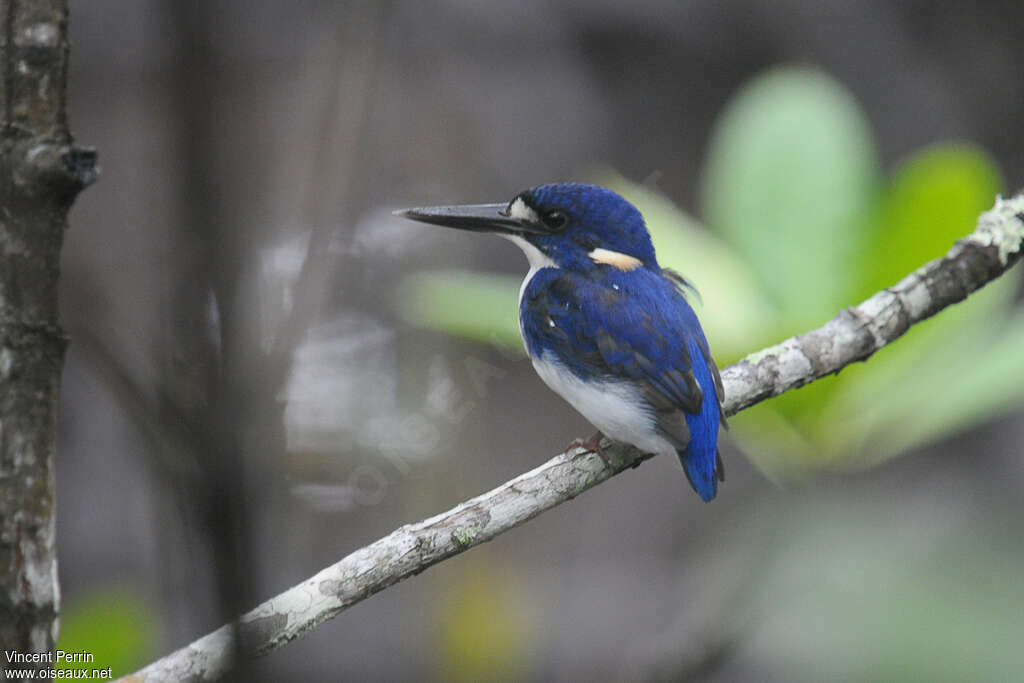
<point x="41" y="172"/>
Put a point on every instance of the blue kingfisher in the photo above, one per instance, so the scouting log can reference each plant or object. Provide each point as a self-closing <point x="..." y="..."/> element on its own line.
<point x="605" y="326"/>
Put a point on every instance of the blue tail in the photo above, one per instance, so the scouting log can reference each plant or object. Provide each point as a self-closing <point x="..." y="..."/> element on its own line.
<point x="703" y="472"/>
<point x="700" y="458"/>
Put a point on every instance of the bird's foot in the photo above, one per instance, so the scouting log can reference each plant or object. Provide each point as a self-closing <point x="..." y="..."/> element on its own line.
<point x="593" y="445"/>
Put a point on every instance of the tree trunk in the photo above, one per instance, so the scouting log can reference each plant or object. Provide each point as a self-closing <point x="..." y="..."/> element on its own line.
<point x="40" y="175"/>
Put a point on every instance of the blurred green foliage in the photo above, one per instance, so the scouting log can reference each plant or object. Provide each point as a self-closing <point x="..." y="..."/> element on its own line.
<point x="471" y="305"/>
<point x="113" y="624"/>
<point x="482" y="628"/>
<point x="802" y="222"/>
<point x="790" y="179"/>
<point x="920" y="586"/>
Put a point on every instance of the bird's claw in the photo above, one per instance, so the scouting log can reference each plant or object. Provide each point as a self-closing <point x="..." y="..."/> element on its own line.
<point x="593" y="445"/>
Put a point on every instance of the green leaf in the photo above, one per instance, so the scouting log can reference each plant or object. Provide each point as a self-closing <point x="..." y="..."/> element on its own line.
<point x="984" y="385"/>
<point x="115" y="626"/>
<point x="480" y="307"/>
<point x="932" y="200"/>
<point x="974" y="379"/>
<point x="791" y="177"/>
<point x="875" y="409"/>
<point x="953" y="363"/>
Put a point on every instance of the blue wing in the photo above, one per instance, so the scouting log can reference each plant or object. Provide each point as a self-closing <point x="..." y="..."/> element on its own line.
<point x="638" y="326"/>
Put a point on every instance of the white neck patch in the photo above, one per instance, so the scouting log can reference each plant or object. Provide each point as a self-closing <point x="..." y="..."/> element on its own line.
<point x="615" y="259"/>
<point x="520" y="210"/>
<point x="537" y="258"/>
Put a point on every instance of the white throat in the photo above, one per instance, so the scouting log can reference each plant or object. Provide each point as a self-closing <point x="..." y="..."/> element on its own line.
<point x="537" y="258"/>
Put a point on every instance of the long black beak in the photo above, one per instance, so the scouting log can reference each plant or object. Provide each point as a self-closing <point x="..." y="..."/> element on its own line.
<point x="474" y="217"/>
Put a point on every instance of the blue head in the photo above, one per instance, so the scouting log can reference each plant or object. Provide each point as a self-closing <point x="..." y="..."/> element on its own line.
<point x="576" y="226"/>
<point x="586" y="224"/>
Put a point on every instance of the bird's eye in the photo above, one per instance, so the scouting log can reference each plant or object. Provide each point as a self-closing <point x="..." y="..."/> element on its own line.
<point x="556" y="220"/>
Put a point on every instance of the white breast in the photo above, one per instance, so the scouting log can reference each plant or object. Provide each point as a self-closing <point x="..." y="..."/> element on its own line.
<point x="616" y="408"/>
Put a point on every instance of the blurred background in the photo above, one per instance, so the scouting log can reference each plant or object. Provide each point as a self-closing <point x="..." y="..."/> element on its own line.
<point x="268" y="370"/>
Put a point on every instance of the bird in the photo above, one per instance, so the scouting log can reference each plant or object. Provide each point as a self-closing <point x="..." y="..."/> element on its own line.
<point x="605" y="326"/>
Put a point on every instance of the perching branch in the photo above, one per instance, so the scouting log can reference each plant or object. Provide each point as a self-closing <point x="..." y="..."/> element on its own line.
<point x="41" y="172"/>
<point x="856" y="333"/>
<point x="853" y="335"/>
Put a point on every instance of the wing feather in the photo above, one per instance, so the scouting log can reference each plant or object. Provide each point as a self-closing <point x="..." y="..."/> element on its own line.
<point x="597" y="330"/>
